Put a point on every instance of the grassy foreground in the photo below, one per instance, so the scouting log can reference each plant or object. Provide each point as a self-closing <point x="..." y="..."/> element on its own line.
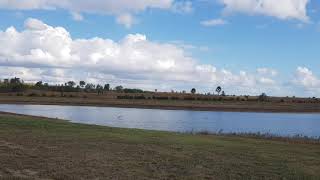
<point x="40" y="148"/>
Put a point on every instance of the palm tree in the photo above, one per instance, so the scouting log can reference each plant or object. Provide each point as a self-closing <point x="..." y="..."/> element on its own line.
<point x="218" y="90"/>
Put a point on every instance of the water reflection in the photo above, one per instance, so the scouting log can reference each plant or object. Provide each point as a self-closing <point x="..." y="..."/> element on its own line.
<point x="284" y="124"/>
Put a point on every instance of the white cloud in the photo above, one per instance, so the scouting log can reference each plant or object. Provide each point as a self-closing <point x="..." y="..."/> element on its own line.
<point x="267" y="71"/>
<point x="77" y="16"/>
<point x="281" y="9"/>
<point x="126" y="19"/>
<point x="122" y="9"/>
<point x="182" y="7"/>
<point x="305" y="78"/>
<point x="134" y="60"/>
<point x="214" y="22"/>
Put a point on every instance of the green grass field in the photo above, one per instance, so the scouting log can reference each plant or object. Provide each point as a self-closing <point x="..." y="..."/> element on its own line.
<point x="40" y="148"/>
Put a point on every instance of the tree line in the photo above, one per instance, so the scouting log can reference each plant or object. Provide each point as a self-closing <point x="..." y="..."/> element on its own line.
<point x="17" y="85"/>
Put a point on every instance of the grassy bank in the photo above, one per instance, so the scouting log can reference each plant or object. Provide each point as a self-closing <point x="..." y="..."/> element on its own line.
<point x="33" y="147"/>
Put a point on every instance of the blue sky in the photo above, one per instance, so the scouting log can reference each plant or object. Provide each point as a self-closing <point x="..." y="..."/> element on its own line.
<point x="250" y="39"/>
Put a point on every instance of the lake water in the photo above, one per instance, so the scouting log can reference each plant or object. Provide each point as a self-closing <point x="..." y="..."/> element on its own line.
<point x="282" y="124"/>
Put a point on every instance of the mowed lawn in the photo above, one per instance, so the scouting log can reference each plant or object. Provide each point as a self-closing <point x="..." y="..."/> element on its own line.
<point x="40" y="148"/>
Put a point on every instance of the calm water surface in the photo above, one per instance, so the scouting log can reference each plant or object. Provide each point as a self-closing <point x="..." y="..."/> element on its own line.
<point x="282" y="124"/>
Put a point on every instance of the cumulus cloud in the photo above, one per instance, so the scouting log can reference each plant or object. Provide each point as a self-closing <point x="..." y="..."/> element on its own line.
<point x="267" y="71"/>
<point x="126" y="19"/>
<point x="214" y="22"/>
<point x="56" y="57"/>
<point x="77" y="16"/>
<point x="281" y="9"/>
<point x="182" y="7"/>
<point x="124" y="10"/>
<point x="306" y="79"/>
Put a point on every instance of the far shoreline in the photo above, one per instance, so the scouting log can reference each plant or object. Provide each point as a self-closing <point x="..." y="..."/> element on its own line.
<point x="216" y="108"/>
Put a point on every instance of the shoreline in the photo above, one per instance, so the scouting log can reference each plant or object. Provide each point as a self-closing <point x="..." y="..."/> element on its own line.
<point x="214" y="108"/>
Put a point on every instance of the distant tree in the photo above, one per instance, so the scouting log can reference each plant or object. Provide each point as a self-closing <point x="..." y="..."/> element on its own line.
<point x="89" y="86"/>
<point x="99" y="89"/>
<point x="218" y="90"/>
<point x="127" y="90"/>
<point x="82" y="84"/>
<point x="107" y="87"/>
<point x="223" y="93"/>
<point x="71" y="83"/>
<point x="193" y="90"/>
<point x="15" y="81"/>
<point x="38" y="84"/>
<point x="263" y="97"/>
<point x="119" y="88"/>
